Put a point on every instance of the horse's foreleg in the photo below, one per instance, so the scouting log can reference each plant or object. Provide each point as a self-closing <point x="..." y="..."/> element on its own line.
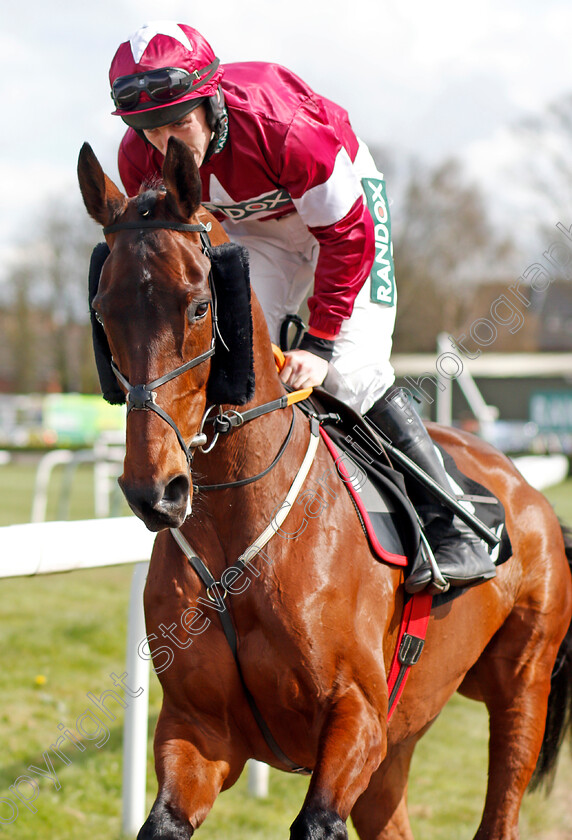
<point x="351" y="746"/>
<point x="381" y="811"/>
<point x="189" y="780"/>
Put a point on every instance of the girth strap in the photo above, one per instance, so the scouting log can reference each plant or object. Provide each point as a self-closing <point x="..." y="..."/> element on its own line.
<point x="410" y="643"/>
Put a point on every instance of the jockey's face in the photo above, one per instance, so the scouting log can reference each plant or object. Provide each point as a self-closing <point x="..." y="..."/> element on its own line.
<point x="192" y="129"/>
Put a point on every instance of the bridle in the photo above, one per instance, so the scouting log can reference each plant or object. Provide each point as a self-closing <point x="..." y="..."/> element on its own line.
<point x="143" y="397"/>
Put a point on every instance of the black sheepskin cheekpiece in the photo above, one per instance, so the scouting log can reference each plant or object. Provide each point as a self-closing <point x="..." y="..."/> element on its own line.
<point x="231" y="380"/>
<point x="107" y="379"/>
<point x="232" y="370"/>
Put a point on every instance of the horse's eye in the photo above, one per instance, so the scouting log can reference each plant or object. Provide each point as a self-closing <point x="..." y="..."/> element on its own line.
<point x="98" y="318"/>
<point x="198" y="310"/>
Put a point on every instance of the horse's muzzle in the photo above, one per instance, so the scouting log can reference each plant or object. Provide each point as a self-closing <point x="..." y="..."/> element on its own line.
<point x="159" y="505"/>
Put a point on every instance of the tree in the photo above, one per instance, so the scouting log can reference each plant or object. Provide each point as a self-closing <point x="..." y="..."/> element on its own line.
<point x="540" y="164"/>
<point x="47" y="317"/>
<point x="443" y="244"/>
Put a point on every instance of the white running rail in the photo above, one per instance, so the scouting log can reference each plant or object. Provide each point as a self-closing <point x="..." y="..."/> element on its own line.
<point x="44" y="548"/>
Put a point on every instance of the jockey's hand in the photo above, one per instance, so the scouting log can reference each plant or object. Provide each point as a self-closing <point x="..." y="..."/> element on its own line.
<point x="303" y="369"/>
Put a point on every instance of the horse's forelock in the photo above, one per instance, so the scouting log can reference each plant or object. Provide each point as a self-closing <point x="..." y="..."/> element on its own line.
<point x="148" y="196"/>
<point x="154" y="183"/>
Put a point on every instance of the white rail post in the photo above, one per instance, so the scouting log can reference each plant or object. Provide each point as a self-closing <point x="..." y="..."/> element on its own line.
<point x="485" y="414"/>
<point x="108" y="452"/>
<point x="135" y="728"/>
<point x="43" y="475"/>
<point x="444" y="407"/>
<point x="257" y="778"/>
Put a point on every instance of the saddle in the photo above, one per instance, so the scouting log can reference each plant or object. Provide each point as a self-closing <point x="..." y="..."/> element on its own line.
<point x="379" y="493"/>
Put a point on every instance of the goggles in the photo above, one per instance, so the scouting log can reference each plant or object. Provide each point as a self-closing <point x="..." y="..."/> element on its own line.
<point x="164" y="85"/>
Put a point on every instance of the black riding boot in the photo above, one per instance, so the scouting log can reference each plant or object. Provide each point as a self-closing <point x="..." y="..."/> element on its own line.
<point x="460" y="555"/>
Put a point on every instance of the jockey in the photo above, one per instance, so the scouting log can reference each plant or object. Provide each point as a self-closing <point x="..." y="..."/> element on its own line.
<point x="284" y="173"/>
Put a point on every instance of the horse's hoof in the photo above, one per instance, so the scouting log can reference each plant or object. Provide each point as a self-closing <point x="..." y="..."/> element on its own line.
<point x="318" y="824"/>
<point x="163" y="824"/>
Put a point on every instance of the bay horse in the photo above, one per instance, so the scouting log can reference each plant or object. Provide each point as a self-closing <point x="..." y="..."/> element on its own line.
<point x="316" y="617"/>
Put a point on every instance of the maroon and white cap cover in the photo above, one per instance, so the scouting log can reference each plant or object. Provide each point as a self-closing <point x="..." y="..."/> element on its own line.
<point x="165" y="44"/>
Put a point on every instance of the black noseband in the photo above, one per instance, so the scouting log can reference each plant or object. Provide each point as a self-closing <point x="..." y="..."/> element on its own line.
<point x="139" y="397"/>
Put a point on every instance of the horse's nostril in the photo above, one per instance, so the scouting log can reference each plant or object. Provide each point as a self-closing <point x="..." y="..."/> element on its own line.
<point x="177" y="490"/>
<point x="157" y="505"/>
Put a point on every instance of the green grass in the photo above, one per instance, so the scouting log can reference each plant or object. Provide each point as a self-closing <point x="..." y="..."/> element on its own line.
<point x="70" y="630"/>
<point x="61" y="637"/>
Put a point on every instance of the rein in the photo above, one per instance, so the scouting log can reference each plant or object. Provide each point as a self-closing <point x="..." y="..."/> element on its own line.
<point x="242" y="482"/>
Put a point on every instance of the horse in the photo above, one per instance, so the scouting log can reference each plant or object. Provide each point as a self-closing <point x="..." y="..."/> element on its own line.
<point x="283" y="657"/>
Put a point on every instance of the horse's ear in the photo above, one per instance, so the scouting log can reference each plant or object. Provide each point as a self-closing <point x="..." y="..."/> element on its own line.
<point x="182" y="180"/>
<point x="103" y="200"/>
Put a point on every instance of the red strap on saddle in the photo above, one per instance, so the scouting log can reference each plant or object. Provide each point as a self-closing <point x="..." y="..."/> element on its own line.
<point x="409" y="645"/>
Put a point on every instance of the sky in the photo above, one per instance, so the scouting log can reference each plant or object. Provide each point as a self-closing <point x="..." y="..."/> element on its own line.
<point x="429" y="79"/>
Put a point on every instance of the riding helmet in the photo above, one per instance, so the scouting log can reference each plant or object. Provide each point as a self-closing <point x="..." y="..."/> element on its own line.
<point x="165" y="45"/>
